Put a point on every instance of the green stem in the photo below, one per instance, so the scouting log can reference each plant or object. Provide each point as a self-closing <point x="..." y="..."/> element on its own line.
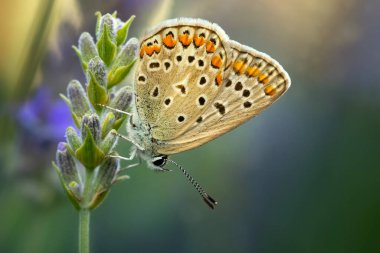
<point x="84" y="231"/>
<point x="84" y="215"/>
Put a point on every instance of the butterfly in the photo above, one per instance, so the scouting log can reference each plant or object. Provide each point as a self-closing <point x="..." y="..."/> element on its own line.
<point x="193" y="84"/>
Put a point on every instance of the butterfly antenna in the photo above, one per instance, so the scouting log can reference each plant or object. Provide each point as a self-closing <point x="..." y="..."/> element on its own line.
<point x="207" y="198"/>
<point x="114" y="109"/>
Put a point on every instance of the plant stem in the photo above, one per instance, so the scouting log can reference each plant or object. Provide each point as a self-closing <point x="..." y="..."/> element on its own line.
<point x="84" y="215"/>
<point x="84" y="231"/>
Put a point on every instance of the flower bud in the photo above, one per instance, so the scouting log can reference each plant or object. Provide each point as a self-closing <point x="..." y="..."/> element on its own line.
<point x="106" y="35"/>
<point x="73" y="139"/>
<point x="97" y="69"/>
<point x="106" y="24"/>
<point x="107" y="125"/>
<point x="109" y="142"/>
<point x="87" y="47"/>
<point x="66" y="165"/>
<point x="92" y="122"/>
<point x="121" y="101"/>
<point x="123" y="63"/>
<point x="119" y="24"/>
<point x="106" y="174"/>
<point x="96" y="90"/>
<point x="78" y="99"/>
<point x="89" y="154"/>
<point x="128" y="53"/>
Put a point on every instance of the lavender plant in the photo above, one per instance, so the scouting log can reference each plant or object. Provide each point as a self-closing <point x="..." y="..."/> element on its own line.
<point x="87" y="163"/>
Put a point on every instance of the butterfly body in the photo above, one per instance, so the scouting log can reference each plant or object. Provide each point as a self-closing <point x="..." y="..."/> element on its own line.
<point x="193" y="84"/>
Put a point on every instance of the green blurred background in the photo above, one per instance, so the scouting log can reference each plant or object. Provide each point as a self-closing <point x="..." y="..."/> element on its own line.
<point x="304" y="176"/>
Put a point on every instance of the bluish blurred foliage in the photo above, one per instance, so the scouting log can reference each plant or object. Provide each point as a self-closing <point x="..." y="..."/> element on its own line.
<point x="302" y="177"/>
<point x="43" y="119"/>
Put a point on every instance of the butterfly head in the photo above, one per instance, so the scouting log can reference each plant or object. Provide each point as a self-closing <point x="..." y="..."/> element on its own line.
<point x="154" y="161"/>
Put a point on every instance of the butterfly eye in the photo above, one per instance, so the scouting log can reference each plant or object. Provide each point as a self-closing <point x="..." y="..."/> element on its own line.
<point x="159" y="161"/>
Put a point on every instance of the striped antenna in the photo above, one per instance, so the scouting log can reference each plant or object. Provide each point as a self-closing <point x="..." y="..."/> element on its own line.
<point x="206" y="198"/>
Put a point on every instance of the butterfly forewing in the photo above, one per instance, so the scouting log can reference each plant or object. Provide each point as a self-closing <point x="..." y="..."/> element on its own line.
<point x="180" y="72"/>
<point x="251" y="83"/>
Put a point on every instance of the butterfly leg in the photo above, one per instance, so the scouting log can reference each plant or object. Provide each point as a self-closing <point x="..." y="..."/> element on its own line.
<point x="121" y="178"/>
<point x="129" y="140"/>
<point x="131" y="157"/>
<point x="121" y="157"/>
<point x="129" y="166"/>
<point x="125" y="177"/>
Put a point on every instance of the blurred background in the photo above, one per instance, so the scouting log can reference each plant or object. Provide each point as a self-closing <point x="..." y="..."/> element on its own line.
<point x="304" y="176"/>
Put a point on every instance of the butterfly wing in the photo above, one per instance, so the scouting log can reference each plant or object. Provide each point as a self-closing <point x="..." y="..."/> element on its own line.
<point x="180" y="72"/>
<point x="252" y="82"/>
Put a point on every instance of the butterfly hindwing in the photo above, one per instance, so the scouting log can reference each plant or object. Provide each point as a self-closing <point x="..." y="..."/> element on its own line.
<point x="252" y="82"/>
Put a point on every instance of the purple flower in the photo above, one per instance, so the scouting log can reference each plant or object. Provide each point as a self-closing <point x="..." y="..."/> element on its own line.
<point x="45" y="118"/>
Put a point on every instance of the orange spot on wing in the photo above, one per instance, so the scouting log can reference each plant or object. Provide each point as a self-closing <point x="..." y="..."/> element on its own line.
<point x="252" y="71"/>
<point x="270" y="90"/>
<point x="156" y="48"/>
<point x="216" y="61"/>
<point x="149" y="50"/>
<point x="210" y="47"/>
<point x="169" y="41"/>
<point x="263" y="78"/>
<point x="239" y="67"/>
<point x="198" y="41"/>
<point x="218" y="79"/>
<point x="185" y="39"/>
